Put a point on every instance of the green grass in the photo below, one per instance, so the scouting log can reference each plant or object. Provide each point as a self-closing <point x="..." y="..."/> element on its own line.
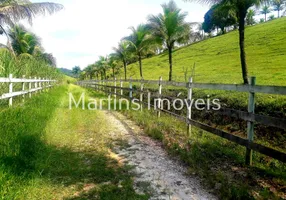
<point x="217" y="59"/>
<point x="51" y="152"/>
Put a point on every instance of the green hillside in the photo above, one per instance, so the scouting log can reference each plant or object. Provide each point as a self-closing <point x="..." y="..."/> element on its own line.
<point x="217" y="59"/>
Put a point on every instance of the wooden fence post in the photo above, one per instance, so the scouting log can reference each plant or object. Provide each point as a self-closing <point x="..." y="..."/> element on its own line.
<point x="189" y="107"/>
<point x="40" y="84"/>
<point x="159" y="98"/>
<point x="250" y="125"/>
<point x="10" y="90"/>
<point x="23" y="89"/>
<point x="30" y="87"/>
<point x="36" y="84"/>
<point x="130" y="89"/>
<point x="141" y="94"/>
<point x="121" y="86"/>
<point x="115" y="91"/>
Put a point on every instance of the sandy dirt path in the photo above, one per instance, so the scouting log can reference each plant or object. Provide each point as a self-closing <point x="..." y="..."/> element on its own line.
<point x="154" y="171"/>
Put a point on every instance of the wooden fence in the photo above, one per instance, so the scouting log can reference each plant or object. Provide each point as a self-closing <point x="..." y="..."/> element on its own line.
<point x="110" y="86"/>
<point x="32" y="85"/>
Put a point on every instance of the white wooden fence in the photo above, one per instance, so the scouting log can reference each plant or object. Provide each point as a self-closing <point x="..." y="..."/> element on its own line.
<point x="29" y="86"/>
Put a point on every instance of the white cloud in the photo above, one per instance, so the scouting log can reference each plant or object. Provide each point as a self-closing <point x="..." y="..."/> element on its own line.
<point x="86" y="29"/>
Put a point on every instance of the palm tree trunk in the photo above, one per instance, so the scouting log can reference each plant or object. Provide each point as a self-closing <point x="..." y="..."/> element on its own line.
<point x="125" y="71"/>
<point x="104" y="72"/>
<point x="265" y="17"/>
<point x="140" y="65"/>
<point x="242" y="16"/>
<point x="170" y="63"/>
<point x="113" y="72"/>
<point x="278" y="13"/>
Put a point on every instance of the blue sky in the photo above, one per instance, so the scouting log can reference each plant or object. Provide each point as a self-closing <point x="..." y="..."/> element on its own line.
<point x="86" y="29"/>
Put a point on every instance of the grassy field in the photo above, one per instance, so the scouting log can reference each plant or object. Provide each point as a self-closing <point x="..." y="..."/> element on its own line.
<point x="51" y="152"/>
<point x="217" y="59"/>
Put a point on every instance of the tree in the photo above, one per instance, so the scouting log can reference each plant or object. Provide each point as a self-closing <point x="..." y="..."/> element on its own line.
<point x="23" y="41"/>
<point x="170" y="28"/>
<point x="89" y="71"/>
<point x="240" y="7"/>
<point x="113" y="63"/>
<point x="76" y="71"/>
<point x="102" y="63"/>
<point x="122" y="52"/>
<point x="265" y="10"/>
<point x="250" y="17"/>
<point x="278" y="5"/>
<point x="140" y="41"/>
<point x="12" y="11"/>
<point x="219" y="15"/>
<point x="48" y="58"/>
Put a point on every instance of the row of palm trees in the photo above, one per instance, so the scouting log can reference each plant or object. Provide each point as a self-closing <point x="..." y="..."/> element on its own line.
<point x="167" y="30"/>
<point x="163" y="31"/>
<point x="274" y="5"/>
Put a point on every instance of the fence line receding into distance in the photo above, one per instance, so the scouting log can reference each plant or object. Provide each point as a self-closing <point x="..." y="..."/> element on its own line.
<point x="110" y="86"/>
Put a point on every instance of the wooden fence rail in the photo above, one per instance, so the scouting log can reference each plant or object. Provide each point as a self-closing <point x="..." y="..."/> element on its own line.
<point x="34" y="85"/>
<point x="250" y="117"/>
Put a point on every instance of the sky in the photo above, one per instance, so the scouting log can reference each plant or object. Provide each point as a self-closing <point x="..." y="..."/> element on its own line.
<point x="86" y="29"/>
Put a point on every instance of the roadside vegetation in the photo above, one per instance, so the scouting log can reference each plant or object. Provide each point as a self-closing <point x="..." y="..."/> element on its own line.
<point x="23" y="54"/>
<point x="51" y="152"/>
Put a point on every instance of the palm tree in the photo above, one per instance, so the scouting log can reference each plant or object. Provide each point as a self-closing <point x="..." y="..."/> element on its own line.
<point x="113" y="63"/>
<point x="12" y="11"/>
<point x="102" y="63"/>
<point x="170" y="28"/>
<point x="76" y="71"/>
<point x="250" y="17"/>
<point x="89" y="71"/>
<point x="265" y="10"/>
<point x="23" y="41"/>
<point x="278" y="5"/>
<point x="122" y="52"/>
<point x="140" y="41"/>
<point x="240" y="7"/>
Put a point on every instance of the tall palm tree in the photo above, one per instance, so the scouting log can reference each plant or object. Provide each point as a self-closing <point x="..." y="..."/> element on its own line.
<point x="89" y="71"/>
<point x="12" y="11"/>
<point x="113" y="63"/>
<point x="250" y="17"/>
<point x="240" y="7"/>
<point x="23" y="41"/>
<point x="278" y="5"/>
<point x="265" y="10"/>
<point x="102" y="63"/>
<point x="140" y="41"/>
<point x="170" y="28"/>
<point x="122" y="52"/>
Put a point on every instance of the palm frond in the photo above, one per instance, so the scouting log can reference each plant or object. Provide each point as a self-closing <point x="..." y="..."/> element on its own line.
<point x="16" y="11"/>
